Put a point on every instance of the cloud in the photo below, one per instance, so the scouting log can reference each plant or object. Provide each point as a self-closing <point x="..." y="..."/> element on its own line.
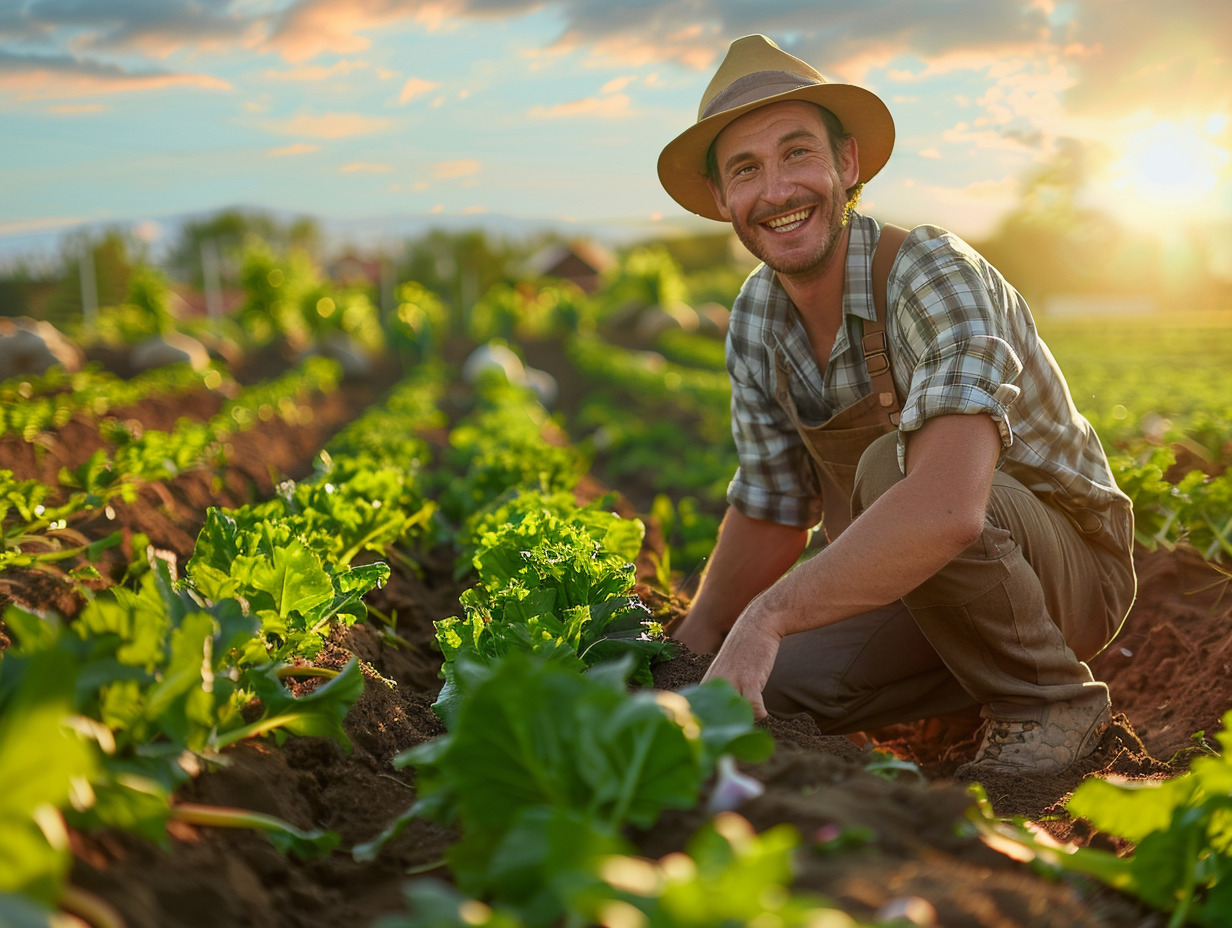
<point x="76" y="109"/>
<point x="308" y="28"/>
<point x="156" y="28"/>
<point x="617" y="84"/>
<point x="41" y="224"/>
<point x="1037" y="60"/>
<point x="1115" y="50"/>
<point x="611" y="107"/>
<point x="309" y="72"/>
<point x="1032" y="93"/>
<point x="1129" y="56"/>
<point x="414" y="88"/>
<point x="968" y="136"/>
<point x="49" y="77"/>
<point x="972" y="210"/>
<point x="447" y="170"/>
<point x="364" y="167"/>
<point x="299" y="148"/>
<point x="327" y="125"/>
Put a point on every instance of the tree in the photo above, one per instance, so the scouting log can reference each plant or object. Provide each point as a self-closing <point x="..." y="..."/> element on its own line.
<point x="460" y="266"/>
<point x="110" y="258"/>
<point x="228" y="232"/>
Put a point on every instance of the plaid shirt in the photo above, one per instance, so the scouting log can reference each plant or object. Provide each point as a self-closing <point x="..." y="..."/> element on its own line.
<point x="962" y="340"/>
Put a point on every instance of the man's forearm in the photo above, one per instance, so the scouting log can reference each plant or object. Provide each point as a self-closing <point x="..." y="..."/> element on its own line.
<point x="903" y="538"/>
<point x="749" y="556"/>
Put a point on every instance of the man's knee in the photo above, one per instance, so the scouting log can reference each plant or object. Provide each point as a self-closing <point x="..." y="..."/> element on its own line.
<point x="877" y="471"/>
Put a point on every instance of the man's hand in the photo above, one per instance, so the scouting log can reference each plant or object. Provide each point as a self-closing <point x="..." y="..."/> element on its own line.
<point x="747" y="657"/>
<point x="749" y="556"/>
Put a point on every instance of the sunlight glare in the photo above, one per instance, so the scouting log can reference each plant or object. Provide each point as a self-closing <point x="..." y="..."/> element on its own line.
<point x="1171" y="164"/>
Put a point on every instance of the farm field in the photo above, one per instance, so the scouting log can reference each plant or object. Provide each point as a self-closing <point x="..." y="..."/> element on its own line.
<point x="327" y="716"/>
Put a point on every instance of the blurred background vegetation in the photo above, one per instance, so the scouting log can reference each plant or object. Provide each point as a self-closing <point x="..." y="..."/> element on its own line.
<point x="1065" y="258"/>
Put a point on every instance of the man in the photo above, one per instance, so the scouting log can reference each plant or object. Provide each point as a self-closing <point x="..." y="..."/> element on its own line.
<point x="978" y="549"/>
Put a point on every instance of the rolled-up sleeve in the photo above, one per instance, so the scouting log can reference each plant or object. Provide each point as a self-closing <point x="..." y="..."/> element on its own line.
<point x="774" y="480"/>
<point x="961" y="351"/>
<point x="964" y="374"/>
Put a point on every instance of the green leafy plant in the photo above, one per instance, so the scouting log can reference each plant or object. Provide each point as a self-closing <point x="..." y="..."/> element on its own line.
<point x="294" y="592"/>
<point x="350" y="505"/>
<point x="545" y="768"/>
<point x="49" y="757"/>
<point x="549" y="584"/>
<point x="501" y="446"/>
<point x="730" y="875"/>
<point x="107" y="708"/>
<point x="1180" y="829"/>
<point x="31" y="405"/>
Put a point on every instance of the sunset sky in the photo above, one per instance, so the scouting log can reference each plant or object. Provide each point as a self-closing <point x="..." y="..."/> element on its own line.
<point x="131" y="110"/>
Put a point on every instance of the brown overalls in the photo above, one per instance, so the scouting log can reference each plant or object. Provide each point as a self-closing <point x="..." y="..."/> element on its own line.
<point x="1005" y="626"/>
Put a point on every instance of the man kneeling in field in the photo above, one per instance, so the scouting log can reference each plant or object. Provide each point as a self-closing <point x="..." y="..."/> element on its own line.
<point x="892" y="386"/>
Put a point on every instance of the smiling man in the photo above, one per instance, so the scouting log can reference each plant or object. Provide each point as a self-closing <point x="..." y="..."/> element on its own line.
<point x="890" y="387"/>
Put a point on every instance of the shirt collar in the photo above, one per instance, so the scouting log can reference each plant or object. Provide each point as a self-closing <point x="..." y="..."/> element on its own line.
<point x="857" y="287"/>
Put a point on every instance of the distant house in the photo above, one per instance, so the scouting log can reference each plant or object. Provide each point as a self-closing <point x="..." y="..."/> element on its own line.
<point x="351" y="270"/>
<point x="582" y="263"/>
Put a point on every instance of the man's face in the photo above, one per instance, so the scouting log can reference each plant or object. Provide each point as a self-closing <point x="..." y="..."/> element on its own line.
<point x="780" y="187"/>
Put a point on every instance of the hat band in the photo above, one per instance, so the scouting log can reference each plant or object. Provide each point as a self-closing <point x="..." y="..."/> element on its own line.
<point x="752" y="87"/>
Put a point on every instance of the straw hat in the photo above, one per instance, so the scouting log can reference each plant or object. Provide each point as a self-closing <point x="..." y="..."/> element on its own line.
<point x="754" y="73"/>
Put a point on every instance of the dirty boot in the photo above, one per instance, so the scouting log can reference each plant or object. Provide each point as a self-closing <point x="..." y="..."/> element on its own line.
<point x="1068" y="733"/>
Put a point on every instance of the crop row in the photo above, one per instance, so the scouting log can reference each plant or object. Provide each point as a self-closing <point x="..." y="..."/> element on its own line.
<point x="647" y="415"/>
<point x="37" y="519"/>
<point x="31" y="405"/>
<point x="111" y="713"/>
<point x="116" y="709"/>
<point x="549" y="757"/>
<point x="170" y="669"/>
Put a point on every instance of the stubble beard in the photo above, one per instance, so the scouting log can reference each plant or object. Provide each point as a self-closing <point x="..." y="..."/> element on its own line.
<point x="753" y="235"/>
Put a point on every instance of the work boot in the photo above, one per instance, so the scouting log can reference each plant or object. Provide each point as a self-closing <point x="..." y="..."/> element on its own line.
<point x="1068" y="733"/>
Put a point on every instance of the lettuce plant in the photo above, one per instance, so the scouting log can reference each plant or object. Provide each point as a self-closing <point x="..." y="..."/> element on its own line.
<point x="546" y="585"/>
<point x="49" y="756"/>
<point x="500" y="446"/>
<point x="294" y="592"/>
<point x="545" y="769"/>
<point x="349" y="506"/>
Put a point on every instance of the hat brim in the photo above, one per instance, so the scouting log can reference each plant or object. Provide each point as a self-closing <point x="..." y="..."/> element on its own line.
<point x="682" y="163"/>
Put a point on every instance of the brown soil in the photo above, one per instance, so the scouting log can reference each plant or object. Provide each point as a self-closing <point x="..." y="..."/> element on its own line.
<point x="1168" y="671"/>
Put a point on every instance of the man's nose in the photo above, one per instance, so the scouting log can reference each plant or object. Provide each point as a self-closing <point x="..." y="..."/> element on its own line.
<point x="779" y="186"/>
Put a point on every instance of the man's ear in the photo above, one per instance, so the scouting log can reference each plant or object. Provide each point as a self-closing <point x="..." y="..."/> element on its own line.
<point x="720" y="201"/>
<point x="849" y="153"/>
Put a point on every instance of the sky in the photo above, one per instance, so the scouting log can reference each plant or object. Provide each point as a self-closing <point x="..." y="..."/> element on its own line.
<point x="131" y="111"/>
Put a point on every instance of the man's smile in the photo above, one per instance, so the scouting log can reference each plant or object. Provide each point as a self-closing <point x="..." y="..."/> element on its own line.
<point x="788" y="223"/>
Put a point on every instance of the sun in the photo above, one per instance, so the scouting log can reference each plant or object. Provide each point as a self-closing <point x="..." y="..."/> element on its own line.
<point x="1170" y="164"/>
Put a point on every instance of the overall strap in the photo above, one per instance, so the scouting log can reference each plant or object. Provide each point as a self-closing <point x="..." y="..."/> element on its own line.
<point x="875" y="343"/>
